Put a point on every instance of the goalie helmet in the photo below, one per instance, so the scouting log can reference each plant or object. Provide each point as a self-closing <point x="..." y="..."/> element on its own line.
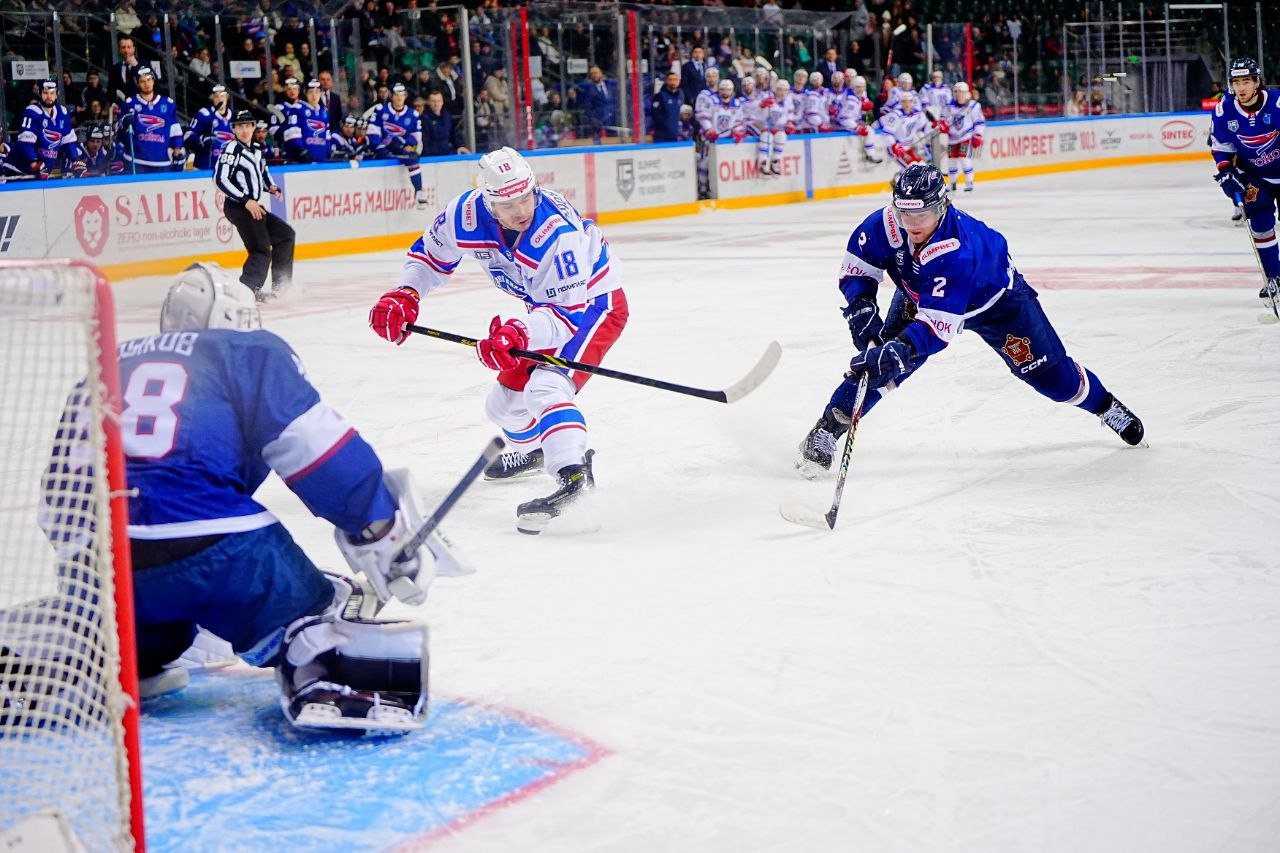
<point x="505" y="176"/>
<point x="205" y="296"/>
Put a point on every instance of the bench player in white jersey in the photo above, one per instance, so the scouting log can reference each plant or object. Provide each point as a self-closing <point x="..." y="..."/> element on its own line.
<point x="726" y="118"/>
<point x="894" y="100"/>
<point x="706" y="102"/>
<point x="537" y="248"/>
<point x="777" y="124"/>
<point x="904" y="131"/>
<point x="852" y="107"/>
<point x="964" y="123"/>
<point x="935" y="96"/>
<point x="753" y="114"/>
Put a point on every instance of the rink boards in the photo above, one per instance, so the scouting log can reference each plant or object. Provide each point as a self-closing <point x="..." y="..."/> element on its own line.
<point x="154" y="224"/>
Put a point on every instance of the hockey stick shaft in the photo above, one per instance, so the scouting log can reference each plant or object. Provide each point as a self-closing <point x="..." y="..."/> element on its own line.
<point x="859" y="402"/>
<point x="720" y="396"/>
<point x="490" y="452"/>
<point x="1273" y="298"/>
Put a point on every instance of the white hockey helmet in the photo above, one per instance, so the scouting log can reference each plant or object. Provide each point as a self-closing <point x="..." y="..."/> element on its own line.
<point x="908" y="97"/>
<point x="726" y="86"/>
<point x="960" y="87"/>
<point x="748" y="85"/>
<point x="711" y="75"/>
<point x="815" y="79"/>
<point x="936" y="74"/>
<point x="782" y="87"/>
<point x="904" y="79"/>
<point x="505" y="176"/>
<point x="205" y="296"/>
<point x="858" y="83"/>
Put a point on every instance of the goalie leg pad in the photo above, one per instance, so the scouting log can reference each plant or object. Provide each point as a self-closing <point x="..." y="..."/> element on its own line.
<point x="346" y="669"/>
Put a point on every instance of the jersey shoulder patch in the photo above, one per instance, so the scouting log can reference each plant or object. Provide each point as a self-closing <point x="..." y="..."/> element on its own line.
<point x="892" y="230"/>
<point x="936" y="250"/>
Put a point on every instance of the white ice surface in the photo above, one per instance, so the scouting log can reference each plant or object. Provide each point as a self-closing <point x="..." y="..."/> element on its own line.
<point x="1022" y="635"/>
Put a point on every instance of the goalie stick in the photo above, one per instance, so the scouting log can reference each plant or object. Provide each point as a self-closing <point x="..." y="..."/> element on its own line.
<point x="798" y="513"/>
<point x="1272" y="298"/>
<point x="732" y="394"/>
<point x="490" y="453"/>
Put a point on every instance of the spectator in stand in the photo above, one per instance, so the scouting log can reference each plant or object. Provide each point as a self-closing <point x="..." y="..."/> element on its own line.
<point x="693" y="77"/>
<point x="486" y="122"/>
<point x="92" y="91"/>
<point x="200" y="64"/>
<point x="499" y="90"/>
<point x="127" y="19"/>
<point x="306" y="62"/>
<point x="95" y="113"/>
<point x="448" y="49"/>
<point x="664" y="110"/>
<point x="291" y="32"/>
<point x="446" y="83"/>
<point x="1077" y="106"/>
<point x="597" y="104"/>
<point x="288" y="63"/>
<point x="124" y="74"/>
<point x="829" y="65"/>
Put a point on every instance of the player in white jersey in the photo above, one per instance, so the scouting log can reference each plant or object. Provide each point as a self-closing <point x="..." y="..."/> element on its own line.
<point x="537" y="248"/>
<point x="777" y="124"/>
<point x="904" y="131"/>
<point x="814" y="117"/>
<point x="726" y="117"/>
<point x="752" y="111"/>
<point x="964" y="124"/>
<point x="935" y="96"/>
<point x="852" y="107"/>
<point x="895" y="94"/>
<point x="706" y="102"/>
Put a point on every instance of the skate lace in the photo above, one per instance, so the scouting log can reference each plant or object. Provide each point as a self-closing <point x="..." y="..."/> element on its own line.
<point x="1117" y="417"/>
<point x="513" y="459"/>
<point x="825" y="441"/>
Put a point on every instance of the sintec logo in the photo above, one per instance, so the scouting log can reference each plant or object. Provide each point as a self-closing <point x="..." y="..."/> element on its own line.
<point x="1177" y="134"/>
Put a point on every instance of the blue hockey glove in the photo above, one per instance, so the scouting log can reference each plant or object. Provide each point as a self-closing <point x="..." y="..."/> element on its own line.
<point x="883" y="364"/>
<point x="1228" y="180"/>
<point x="864" y="321"/>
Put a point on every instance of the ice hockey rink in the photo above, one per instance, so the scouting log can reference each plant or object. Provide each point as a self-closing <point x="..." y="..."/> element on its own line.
<point x="1021" y="636"/>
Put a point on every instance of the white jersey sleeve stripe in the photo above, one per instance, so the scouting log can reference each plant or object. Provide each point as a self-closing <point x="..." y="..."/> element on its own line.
<point x="307" y="441"/>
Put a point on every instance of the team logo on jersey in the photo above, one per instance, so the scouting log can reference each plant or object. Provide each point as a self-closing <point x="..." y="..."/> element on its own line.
<point x="52" y="136"/>
<point x="626" y="178"/>
<point x="93" y="225"/>
<point x="394" y="129"/>
<point x="1233" y="125"/>
<point x="150" y="122"/>
<point x="316" y="125"/>
<point x="506" y="282"/>
<point x="1260" y="141"/>
<point x="1018" y="349"/>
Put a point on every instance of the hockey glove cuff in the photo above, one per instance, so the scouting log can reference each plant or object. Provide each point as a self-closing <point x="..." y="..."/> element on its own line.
<point x="884" y="364"/>
<point x="864" y="321"/>
<point x="1228" y="179"/>
<point x="495" y="351"/>
<point x="396" y="309"/>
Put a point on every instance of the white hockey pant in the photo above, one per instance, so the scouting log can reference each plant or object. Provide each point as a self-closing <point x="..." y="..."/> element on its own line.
<point x="543" y="415"/>
<point x="772" y="143"/>
<point x="956" y="164"/>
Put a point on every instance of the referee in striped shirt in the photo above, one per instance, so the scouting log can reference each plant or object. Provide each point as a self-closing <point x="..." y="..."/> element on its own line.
<point x="241" y="174"/>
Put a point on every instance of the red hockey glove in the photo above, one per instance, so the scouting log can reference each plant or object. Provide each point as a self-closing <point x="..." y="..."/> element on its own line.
<point x="863" y="130"/>
<point x="710" y="135"/>
<point x="867" y="106"/>
<point x="941" y="125"/>
<point x="900" y="151"/>
<point x="495" y="351"/>
<point x="976" y="142"/>
<point x="395" y="310"/>
<point x="824" y="128"/>
<point x="791" y="127"/>
<point x="739" y="135"/>
<point x="832" y="109"/>
<point x="766" y="103"/>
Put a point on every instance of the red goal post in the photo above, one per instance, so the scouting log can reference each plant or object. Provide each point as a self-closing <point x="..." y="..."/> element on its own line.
<point x="69" y="753"/>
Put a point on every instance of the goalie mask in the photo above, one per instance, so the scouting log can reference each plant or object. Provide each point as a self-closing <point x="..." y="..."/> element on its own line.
<point x="205" y="296"/>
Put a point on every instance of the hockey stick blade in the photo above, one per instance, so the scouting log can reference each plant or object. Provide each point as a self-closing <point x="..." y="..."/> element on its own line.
<point x="490" y="453"/>
<point x="757" y="375"/>
<point x="798" y="513"/>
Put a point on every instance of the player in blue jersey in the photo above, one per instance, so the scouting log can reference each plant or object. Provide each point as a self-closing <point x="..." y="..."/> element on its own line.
<point x="97" y="153"/>
<point x="148" y="129"/>
<point x="210" y="129"/>
<point x="45" y="138"/>
<point x="953" y="273"/>
<point x="1245" y="141"/>
<point x="537" y="248"/>
<point x="395" y="130"/>
<point x="211" y="406"/>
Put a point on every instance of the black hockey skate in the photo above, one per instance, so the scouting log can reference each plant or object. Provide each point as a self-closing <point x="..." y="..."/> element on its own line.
<point x="818" y="449"/>
<point x="1123" y="422"/>
<point x="533" y="516"/>
<point x="513" y="465"/>
<point x="323" y="705"/>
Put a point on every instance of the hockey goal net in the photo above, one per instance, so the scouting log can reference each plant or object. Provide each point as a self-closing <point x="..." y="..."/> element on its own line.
<point x="69" y="767"/>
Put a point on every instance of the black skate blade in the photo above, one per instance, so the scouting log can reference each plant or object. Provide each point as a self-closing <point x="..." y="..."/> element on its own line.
<point x="523" y="475"/>
<point x="533" y="523"/>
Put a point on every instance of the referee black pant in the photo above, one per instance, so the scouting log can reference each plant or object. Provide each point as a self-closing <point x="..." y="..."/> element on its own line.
<point x="268" y="240"/>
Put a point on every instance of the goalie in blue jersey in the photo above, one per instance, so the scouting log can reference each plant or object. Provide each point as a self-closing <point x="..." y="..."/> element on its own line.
<point x="952" y="273"/>
<point x="211" y="406"/>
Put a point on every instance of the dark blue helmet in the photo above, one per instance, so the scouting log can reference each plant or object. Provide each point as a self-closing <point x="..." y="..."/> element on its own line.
<point x="920" y="186"/>
<point x="1244" y="67"/>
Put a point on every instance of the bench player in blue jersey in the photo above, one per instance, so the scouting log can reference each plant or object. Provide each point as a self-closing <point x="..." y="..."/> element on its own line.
<point x="211" y="406"/>
<point x="1245" y="142"/>
<point x="538" y="249"/>
<point x="953" y="273"/>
